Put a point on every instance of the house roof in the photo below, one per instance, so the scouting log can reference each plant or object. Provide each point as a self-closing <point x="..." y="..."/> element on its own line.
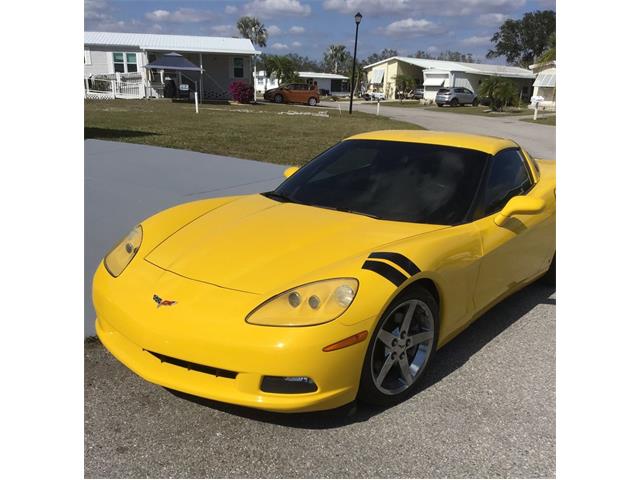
<point x="180" y="43"/>
<point x="334" y="76"/>
<point x="477" y="68"/>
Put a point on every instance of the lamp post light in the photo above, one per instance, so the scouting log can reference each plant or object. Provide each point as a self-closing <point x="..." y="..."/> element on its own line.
<point x="358" y="19"/>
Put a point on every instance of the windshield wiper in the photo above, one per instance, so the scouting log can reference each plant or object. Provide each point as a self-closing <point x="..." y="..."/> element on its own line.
<point x="278" y="196"/>
<point x="345" y="210"/>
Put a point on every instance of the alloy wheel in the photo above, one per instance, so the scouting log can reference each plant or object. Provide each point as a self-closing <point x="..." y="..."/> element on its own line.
<point x="402" y="347"/>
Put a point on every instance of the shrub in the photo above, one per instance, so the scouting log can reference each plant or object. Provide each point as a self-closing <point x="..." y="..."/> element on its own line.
<point x="499" y="92"/>
<point x="241" y="92"/>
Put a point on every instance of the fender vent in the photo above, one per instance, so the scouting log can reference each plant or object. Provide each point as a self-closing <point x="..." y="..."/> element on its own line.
<point x="217" y="372"/>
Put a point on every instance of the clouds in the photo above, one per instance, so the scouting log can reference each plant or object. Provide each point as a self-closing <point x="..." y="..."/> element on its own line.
<point x="224" y="30"/>
<point x="296" y="30"/>
<point x="271" y="8"/>
<point x="274" y="30"/>
<point x="413" y="27"/>
<point x="181" y="15"/>
<point x="476" y="41"/>
<point x="296" y="44"/>
<point x="491" y="19"/>
<point x="280" y="46"/>
<point x="423" y="7"/>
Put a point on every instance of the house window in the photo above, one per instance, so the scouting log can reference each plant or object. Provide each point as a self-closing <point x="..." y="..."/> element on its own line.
<point x="124" y="62"/>
<point x="238" y="67"/>
<point x="87" y="57"/>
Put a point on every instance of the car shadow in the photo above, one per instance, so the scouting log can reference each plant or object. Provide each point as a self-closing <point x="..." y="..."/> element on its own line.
<point x="111" y="133"/>
<point x="447" y="360"/>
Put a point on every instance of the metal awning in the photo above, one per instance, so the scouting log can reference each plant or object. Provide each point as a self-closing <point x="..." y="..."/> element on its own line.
<point x="433" y="81"/>
<point x="377" y="75"/>
<point x="545" y="80"/>
<point x="172" y="61"/>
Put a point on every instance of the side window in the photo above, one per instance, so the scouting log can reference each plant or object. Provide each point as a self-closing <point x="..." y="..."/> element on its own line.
<point x="508" y="177"/>
<point x="238" y="67"/>
<point x="118" y="62"/>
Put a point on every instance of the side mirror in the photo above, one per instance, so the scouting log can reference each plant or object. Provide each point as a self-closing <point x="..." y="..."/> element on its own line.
<point x="290" y="171"/>
<point x="519" y="205"/>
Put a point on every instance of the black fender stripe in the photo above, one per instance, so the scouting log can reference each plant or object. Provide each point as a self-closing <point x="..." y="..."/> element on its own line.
<point x="387" y="271"/>
<point x="399" y="259"/>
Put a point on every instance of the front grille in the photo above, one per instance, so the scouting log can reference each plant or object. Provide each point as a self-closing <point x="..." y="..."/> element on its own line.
<point x="218" y="372"/>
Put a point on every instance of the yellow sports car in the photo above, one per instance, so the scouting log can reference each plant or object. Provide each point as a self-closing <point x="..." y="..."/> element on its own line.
<point x="338" y="285"/>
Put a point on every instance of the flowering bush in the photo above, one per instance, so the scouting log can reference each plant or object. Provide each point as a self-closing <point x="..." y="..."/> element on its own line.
<point x="241" y="92"/>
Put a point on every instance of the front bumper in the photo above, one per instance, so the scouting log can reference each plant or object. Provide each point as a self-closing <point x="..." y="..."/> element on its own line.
<point x="207" y="327"/>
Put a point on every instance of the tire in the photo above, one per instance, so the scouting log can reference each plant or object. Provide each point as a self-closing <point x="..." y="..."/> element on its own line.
<point x="312" y="102"/>
<point x="393" y="388"/>
<point x="439" y="104"/>
<point x="278" y="98"/>
<point x="454" y="102"/>
<point x="549" y="278"/>
<point x="475" y="102"/>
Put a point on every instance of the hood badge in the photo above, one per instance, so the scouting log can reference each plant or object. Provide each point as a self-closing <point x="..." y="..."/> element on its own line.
<point x="163" y="303"/>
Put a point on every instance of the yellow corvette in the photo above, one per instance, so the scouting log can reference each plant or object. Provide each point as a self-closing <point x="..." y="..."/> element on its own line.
<point x="339" y="284"/>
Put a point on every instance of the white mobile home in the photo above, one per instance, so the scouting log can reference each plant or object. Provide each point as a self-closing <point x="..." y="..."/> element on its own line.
<point x="328" y="83"/>
<point x="436" y="74"/>
<point x="544" y="88"/>
<point x="122" y="56"/>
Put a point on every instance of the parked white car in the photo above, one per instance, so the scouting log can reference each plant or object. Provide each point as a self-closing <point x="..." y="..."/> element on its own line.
<point x="374" y="96"/>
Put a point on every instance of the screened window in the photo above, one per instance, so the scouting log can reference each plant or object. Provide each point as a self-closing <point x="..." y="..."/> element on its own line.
<point x="118" y="62"/>
<point x="508" y="177"/>
<point x="132" y="63"/>
<point x="124" y="62"/>
<point x="238" y="67"/>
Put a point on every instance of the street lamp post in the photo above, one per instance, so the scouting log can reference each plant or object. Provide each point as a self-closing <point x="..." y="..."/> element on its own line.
<point x="358" y="19"/>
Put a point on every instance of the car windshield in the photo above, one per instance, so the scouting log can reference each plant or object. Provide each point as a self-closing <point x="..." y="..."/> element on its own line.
<point x="401" y="181"/>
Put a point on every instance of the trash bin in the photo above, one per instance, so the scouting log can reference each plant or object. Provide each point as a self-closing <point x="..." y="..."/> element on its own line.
<point x="184" y="90"/>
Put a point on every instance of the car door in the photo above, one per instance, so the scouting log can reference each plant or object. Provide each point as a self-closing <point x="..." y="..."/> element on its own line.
<point x="468" y="96"/>
<point x="519" y="250"/>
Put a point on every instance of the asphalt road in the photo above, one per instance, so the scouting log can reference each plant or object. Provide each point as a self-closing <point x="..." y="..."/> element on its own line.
<point x="487" y="410"/>
<point x="538" y="140"/>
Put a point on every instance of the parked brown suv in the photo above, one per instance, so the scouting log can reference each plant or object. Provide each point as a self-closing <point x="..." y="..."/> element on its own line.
<point x="294" y="93"/>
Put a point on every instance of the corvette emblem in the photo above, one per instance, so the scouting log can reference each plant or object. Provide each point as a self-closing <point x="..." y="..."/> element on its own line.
<point x="163" y="303"/>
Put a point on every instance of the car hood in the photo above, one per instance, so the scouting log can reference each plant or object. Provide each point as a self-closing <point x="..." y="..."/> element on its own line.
<point x="256" y="244"/>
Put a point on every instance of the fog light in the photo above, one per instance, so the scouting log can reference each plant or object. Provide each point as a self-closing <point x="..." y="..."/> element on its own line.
<point x="294" y="299"/>
<point x="288" y="385"/>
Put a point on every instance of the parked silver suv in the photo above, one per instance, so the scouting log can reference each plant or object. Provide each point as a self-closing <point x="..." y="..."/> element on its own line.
<point x="456" y="96"/>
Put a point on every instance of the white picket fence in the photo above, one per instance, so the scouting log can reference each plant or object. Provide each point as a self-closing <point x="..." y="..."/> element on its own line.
<point x="98" y="89"/>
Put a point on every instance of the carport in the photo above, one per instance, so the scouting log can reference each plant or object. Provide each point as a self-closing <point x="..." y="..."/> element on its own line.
<point x="174" y="62"/>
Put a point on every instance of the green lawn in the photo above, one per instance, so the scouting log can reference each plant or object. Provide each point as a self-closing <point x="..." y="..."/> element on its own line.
<point x="282" y="134"/>
<point x="481" y="110"/>
<point x="550" y="120"/>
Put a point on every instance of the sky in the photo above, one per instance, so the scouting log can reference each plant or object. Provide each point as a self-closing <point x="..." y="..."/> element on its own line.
<point x="308" y="27"/>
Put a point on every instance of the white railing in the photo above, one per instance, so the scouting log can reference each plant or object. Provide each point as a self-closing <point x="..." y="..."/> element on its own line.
<point x="101" y="88"/>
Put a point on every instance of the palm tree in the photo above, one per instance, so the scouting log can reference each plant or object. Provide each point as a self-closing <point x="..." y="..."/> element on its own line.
<point x="253" y="29"/>
<point x="335" y="56"/>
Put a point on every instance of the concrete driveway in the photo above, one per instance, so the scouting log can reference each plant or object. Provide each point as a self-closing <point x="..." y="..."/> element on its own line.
<point x="538" y="140"/>
<point x="125" y="183"/>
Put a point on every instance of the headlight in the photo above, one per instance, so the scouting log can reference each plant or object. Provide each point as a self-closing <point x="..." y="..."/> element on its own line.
<point x="310" y="304"/>
<point x="124" y="251"/>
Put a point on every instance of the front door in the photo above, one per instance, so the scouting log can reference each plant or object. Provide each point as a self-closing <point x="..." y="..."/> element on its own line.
<point x="518" y="250"/>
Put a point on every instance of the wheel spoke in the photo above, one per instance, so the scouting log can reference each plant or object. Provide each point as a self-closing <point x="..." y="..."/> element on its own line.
<point x="420" y="338"/>
<point x="386" y="337"/>
<point x="406" y="321"/>
<point x="388" y="363"/>
<point x="404" y="368"/>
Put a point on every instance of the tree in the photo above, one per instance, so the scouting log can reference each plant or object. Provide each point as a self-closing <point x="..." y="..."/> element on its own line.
<point x="499" y="91"/>
<point x="336" y="58"/>
<point x="404" y="85"/>
<point x="423" y="54"/>
<point x="382" y="55"/>
<point x="549" y="54"/>
<point x="455" y="56"/>
<point x="281" y="67"/>
<point x="253" y="29"/>
<point x="521" y="41"/>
